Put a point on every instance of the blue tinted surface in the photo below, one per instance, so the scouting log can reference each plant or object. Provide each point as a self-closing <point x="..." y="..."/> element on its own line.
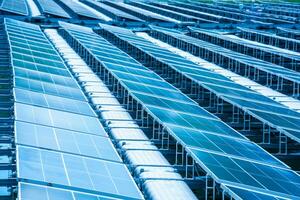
<point x="75" y="172"/>
<point x="59" y="138"/>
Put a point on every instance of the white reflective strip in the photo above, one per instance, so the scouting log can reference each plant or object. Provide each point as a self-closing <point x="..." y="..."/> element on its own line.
<point x="33" y="8"/>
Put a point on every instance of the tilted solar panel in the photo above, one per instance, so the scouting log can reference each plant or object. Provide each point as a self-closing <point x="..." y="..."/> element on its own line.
<point x="59" y="138"/>
<point x="110" y="11"/>
<point x="15" y="6"/>
<point x="257" y="105"/>
<point x="51" y="8"/>
<point x="34" y="192"/>
<point x="250" y="175"/>
<point x="194" y="132"/>
<point x="79" y="9"/>
<point x="77" y="173"/>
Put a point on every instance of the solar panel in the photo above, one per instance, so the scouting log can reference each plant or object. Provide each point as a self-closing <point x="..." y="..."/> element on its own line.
<point x="37" y="64"/>
<point x="53" y="102"/>
<point x="75" y="173"/>
<point x="15" y="6"/>
<point x="50" y="117"/>
<point x="250" y="194"/>
<point x="197" y="133"/>
<point x="79" y="9"/>
<point x="251" y="175"/>
<point x="63" y="140"/>
<point x="49" y="88"/>
<point x="270" y="38"/>
<point x="288" y="59"/>
<point x="51" y="8"/>
<point x="140" y="13"/>
<point x="165" y="12"/>
<point x="37" y="192"/>
<point x="112" y="12"/>
<point x="222" y="143"/>
<point x="244" y="59"/>
<point x="204" y="17"/>
<point x="59" y="138"/>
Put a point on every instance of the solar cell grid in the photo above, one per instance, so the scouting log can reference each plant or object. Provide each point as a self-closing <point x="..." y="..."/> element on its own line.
<point x="31" y="73"/>
<point x="109" y="178"/>
<point x="282" y="182"/>
<point x="271" y="111"/>
<point x="79" y="9"/>
<point x="60" y="140"/>
<point x="240" y="41"/>
<point x="159" y="101"/>
<point x="215" y="135"/>
<point x="65" y="141"/>
<point x="35" y="192"/>
<point x="141" y="13"/>
<point x="250" y="194"/>
<point x="53" y="102"/>
<point x="221" y="143"/>
<point x="49" y="88"/>
<point x="50" y="117"/>
<point x="15" y="6"/>
<point x="23" y="65"/>
<point x="166" y="12"/>
<point x="50" y="7"/>
<point x="112" y="12"/>
<point x="259" y="64"/>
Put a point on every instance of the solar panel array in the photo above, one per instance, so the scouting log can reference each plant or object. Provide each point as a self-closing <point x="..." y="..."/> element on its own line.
<point x="235" y="61"/>
<point x="231" y="10"/>
<point x="285" y="58"/>
<point x="207" y="138"/>
<point x="270" y="39"/>
<point x="60" y="140"/>
<point x="257" y="105"/>
<point x="181" y="124"/>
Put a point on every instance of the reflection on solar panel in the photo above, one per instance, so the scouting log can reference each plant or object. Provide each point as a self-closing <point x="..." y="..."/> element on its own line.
<point x="288" y="59"/>
<point x="270" y="39"/>
<point x="249" y="194"/>
<point x="111" y="12"/>
<point x="53" y="102"/>
<point x="79" y="9"/>
<point x="63" y="140"/>
<point x="76" y="173"/>
<point x="140" y="13"/>
<point x="255" y="104"/>
<point x="198" y="132"/>
<point x="250" y="175"/>
<point x="51" y="8"/>
<point x="60" y="140"/>
<point x="34" y="192"/>
<point x="169" y="13"/>
<point x="162" y="100"/>
<point x="286" y="81"/>
<point x="205" y="17"/>
<point x="15" y="6"/>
